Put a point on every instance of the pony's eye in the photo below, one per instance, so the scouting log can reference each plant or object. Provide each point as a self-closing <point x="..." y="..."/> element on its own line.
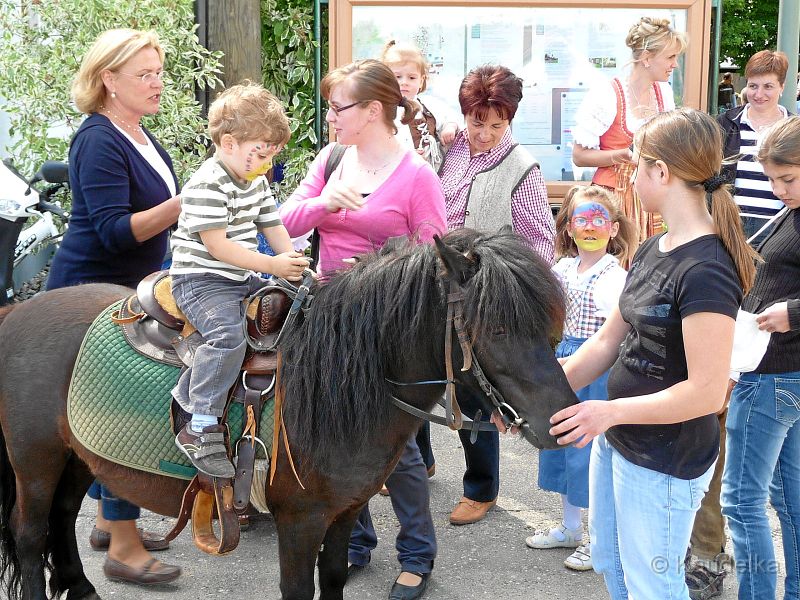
<point x="499" y="331"/>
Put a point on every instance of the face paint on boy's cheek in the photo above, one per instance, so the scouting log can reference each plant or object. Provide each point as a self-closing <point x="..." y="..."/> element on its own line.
<point x="252" y="174"/>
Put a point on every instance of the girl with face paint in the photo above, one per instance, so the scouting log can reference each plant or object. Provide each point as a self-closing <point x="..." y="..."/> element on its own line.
<point x="593" y="238"/>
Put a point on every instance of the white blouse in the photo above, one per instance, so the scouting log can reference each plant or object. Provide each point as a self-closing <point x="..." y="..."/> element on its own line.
<point x="599" y="109"/>
<point x="151" y="155"/>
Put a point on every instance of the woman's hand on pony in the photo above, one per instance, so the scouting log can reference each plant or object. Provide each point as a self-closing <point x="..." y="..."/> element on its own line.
<point x="498" y="422"/>
<point x="581" y="423"/>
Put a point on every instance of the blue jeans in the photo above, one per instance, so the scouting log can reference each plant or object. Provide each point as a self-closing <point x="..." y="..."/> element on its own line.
<point x="424" y="444"/>
<point x="114" y="509"/>
<point x="566" y="470"/>
<point x="763" y="460"/>
<point x="214" y="305"/>
<point x="416" y="540"/>
<point x="640" y="522"/>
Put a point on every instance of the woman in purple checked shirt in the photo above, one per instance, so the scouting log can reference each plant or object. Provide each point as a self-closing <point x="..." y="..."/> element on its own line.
<point x="490" y="181"/>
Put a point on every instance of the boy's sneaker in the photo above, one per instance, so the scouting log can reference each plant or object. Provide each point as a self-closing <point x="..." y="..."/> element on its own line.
<point x="581" y="559"/>
<point x="206" y="450"/>
<point x="560" y="537"/>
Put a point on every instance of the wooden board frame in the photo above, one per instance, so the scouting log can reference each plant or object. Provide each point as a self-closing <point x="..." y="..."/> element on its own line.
<point x="698" y="27"/>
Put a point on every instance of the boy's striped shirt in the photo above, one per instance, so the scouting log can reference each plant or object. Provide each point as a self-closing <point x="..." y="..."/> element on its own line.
<point x="213" y="199"/>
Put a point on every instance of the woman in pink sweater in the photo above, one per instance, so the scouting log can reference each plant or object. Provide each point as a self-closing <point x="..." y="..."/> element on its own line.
<point x="378" y="190"/>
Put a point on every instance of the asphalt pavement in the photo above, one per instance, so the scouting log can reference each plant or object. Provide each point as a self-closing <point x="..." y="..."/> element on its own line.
<point x="487" y="560"/>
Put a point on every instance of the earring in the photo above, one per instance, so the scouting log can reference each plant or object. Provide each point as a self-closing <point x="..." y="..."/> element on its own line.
<point x="113" y="94"/>
<point x="647" y="66"/>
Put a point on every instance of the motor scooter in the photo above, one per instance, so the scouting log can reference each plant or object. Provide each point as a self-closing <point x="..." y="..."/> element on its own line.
<point x="25" y="251"/>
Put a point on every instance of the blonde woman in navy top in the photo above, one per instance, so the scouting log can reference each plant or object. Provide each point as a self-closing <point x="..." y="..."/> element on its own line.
<point x="123" y="203"/>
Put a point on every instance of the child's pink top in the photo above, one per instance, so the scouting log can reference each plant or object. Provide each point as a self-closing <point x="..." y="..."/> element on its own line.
<point x="409" y="202"/>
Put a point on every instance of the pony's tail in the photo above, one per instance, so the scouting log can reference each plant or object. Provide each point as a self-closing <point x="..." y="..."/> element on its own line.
<point x="10" y="576"/>
<point x="9" y="561"/>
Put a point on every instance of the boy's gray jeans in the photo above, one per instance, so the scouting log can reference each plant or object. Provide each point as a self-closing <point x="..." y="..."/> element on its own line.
<point x="214" y="305"/>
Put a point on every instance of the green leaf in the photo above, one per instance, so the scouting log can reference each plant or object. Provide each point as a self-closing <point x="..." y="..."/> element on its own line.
<point x="38" y="63"/>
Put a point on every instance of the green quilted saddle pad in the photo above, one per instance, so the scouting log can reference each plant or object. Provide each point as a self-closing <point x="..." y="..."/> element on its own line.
<point x="119" y="403"/>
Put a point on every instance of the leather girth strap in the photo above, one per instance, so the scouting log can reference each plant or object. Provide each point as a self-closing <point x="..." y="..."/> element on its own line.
<point x="199" y="501"/>
<point x="280" y="428"/>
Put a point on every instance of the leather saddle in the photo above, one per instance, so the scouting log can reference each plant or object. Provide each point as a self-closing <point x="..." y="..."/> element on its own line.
<point x="154" y="326"/>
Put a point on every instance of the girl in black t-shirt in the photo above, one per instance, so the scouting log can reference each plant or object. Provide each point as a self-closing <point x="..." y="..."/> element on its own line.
<point x="669" y="342"/>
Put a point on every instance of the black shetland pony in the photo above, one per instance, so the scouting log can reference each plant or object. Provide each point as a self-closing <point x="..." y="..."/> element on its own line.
<point x="382" y="320"/>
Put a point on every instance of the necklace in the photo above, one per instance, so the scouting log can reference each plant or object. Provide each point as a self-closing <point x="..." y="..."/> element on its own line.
<point x="363" y="169"/>
<point x="132" y="128"/>
<point x="645" y="108"/>
<point x="770" y="122"/>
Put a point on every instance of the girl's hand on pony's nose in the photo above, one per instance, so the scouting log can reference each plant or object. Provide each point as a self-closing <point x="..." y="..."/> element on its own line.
<point x="582" y="422"/>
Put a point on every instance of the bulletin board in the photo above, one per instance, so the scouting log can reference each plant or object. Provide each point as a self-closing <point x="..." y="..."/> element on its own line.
<point x="560" y="49"/>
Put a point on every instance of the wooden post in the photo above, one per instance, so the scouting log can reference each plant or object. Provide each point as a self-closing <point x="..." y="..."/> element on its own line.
<point x="788" y="34"/>
<point x="234" y="27"/>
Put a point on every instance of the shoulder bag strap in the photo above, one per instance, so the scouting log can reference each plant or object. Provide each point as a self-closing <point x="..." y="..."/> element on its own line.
<point x="334" y="158"/>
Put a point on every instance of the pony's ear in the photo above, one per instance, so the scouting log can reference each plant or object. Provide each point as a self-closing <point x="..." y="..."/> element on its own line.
<point x="394" y="244"/>
<point x="457" y="267"/>
<point x="505" y="230"/>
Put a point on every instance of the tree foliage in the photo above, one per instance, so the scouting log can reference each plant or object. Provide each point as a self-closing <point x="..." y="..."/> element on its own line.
<point x="41" y="48"/>
<point x="747" y="27"/>
<point x="287" y="56"/>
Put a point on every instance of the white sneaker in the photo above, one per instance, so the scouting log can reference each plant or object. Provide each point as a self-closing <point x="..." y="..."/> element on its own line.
<point x="581" y="559"/>
<point x="542" y="541"/>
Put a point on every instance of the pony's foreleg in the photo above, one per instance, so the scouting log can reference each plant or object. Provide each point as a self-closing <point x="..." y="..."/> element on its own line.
<point x="333" y="557"/>
<point x="299" y="539"/>
<point x="68" y="575"/>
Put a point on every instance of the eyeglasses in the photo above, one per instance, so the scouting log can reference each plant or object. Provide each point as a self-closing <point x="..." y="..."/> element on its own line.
<point x="147" y="78"/>
<point x="596" y="221"/>
<point x="337" y="110"/>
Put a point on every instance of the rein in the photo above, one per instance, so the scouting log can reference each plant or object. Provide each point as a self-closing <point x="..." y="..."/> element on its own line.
<point x="453" y="417"/>
<point x="301" y="300"/>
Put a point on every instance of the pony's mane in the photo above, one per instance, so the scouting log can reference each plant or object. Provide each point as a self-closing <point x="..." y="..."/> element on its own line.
<point x="392" y="303"/>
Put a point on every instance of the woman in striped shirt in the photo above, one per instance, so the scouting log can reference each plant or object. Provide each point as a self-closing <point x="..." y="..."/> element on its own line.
<point x="766" y="75"/>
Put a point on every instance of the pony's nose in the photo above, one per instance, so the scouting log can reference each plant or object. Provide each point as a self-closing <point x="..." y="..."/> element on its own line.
<point x="538" y="434"/>
<point x="530" y="435"/>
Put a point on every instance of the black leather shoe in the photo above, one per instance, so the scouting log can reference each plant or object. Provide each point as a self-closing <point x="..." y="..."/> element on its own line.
<point x="408" y="592"/>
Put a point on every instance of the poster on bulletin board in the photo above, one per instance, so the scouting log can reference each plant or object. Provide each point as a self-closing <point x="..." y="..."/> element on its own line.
<point x="559" y="52"/>
<point x="559" y="48"/>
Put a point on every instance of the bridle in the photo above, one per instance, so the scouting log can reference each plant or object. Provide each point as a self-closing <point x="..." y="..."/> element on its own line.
<point x="453" y="417"/>
<point x="455" y="319"/>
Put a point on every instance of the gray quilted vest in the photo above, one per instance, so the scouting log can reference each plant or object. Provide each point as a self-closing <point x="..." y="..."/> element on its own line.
<point x="489" y="197"/>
